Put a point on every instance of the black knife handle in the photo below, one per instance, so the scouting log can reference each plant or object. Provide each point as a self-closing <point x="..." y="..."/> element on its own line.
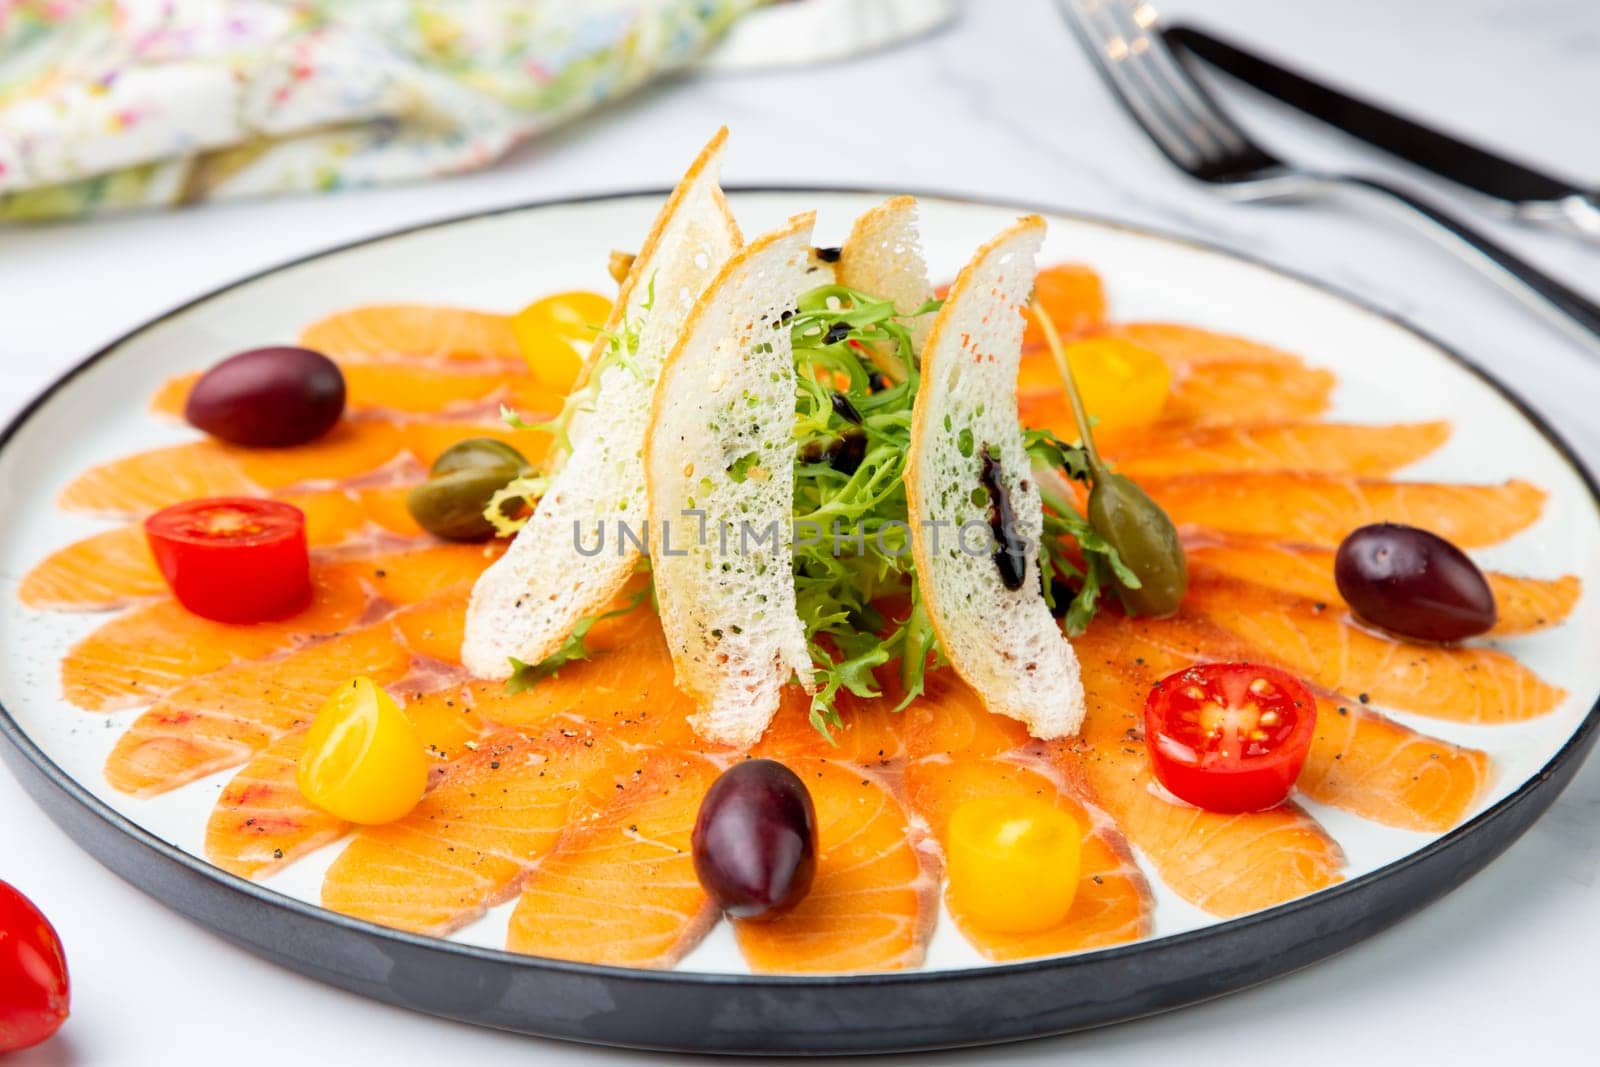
<point x="1541" y="290"/>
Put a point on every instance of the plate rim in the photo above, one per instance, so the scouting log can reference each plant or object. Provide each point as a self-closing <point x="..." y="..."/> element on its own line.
<point x="158" y="850"/>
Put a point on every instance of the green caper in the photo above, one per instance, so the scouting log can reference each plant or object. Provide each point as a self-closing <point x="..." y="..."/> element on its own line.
<point x="1145" y="538"/>
<point x="451" y="505"/>
<point x="479" y="453"/>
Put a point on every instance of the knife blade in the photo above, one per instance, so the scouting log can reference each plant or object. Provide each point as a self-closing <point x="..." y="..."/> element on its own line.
<point x="1530" y="194"/>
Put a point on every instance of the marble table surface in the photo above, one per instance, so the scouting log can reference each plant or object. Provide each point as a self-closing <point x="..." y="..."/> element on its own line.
<point x="1000" y="104"/>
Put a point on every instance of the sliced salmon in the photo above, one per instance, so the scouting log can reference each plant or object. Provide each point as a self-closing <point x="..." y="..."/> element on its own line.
<point x="399" y="389"/>
<point x="145" y="481"/>
<point x="114" y="568"/>
<point x="154" y="648"/>
<point x="426" y="440"/>
<point x="428" y="331"/>
<point x="1473" y="685"/>
<point x="1321" y="509"/>
<point x="477" y="834"/>
<point x="262" y="822"/>
<point x="1247" y="392"/>
<point x="1359" y="761"/>
<point x="1073" y="296"/>
<point x="151" y="649"/>
<point x="1186" y="347"/>
<point x="872" y="906"/>
<point x="223" y="719"/>
<point x="621" y="889"/>
<point x="1224" y="864"/>
<point x="1320" y="447"/>
<point x="1524" y="604"/>
<point x="1113" y="902"/>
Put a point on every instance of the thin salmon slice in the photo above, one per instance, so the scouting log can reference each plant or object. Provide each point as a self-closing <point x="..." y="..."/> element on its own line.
<point x="1321" y="509"/>
<point x="145" y="481"/>
<point x="114" y="568"/>
<point x="398" y="389"/>
<point x="1247" y="392"/>
<point x="151" y="649"/>
<point x="1187" y="347"/>
<point x="477" y="834"/>
<point x="394" y="331"/>
<point x="1319" y="447"/>
<point x="262" y="822"/>
<point x="1224" y="864"/>
<point x="1113" y="903"/>
<point x="1360" y="761"/>
<point x="872" y="906"/>
<point x="221" y="720"/>
<point x="1073" y="296"/>
<point x="1524" y="604"/>
<point x="621" y="889"/>
<point x="1459" y="684"/>
<point x="427" y="440"/>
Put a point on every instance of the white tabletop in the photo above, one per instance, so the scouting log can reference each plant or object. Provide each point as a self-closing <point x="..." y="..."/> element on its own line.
<point x="1004" y="105"/>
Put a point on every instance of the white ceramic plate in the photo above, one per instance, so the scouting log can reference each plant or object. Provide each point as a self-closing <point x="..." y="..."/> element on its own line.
<point x="1386" y="373"/>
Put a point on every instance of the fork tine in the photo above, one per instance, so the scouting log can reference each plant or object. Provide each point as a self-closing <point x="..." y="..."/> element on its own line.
<point x="1109" y="50"/>
<point x="1169" y="80"/>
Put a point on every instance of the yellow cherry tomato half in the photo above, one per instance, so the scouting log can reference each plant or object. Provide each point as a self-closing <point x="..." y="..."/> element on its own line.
<point x="1013" y="863"/>
<point x="363" y="760"/>
<point x="556" y="332"/>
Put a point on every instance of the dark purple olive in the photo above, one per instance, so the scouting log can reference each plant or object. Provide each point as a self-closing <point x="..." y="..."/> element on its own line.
<point x="268" y="398"/>
<point x="755" y="841"/>
<point x="1413" y="583"/>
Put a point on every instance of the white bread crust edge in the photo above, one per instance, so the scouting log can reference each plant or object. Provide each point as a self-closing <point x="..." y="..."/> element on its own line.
<point x="1002" y="642"/>
<point x="526" y="604"/>
<point x="725" y="402"/>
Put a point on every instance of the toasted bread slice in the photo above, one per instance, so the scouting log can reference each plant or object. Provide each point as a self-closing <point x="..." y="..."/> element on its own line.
<point x="719" y="463"/>
<point x="884" y="258"/>
<point x="1002" y="641"/>
<point x="526" y="605"/>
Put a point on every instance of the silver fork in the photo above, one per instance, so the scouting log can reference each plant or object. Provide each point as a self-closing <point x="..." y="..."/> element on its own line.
<point x="1191" y="129"/>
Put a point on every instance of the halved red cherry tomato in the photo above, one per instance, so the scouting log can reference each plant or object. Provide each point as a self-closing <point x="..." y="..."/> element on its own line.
<point x="34" y="993"/>
<point x="1229" y="737"/>
<point x="233" y="559"/>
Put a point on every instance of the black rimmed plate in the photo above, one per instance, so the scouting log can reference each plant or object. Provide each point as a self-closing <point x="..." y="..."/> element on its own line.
<point x="1387" y="373"/>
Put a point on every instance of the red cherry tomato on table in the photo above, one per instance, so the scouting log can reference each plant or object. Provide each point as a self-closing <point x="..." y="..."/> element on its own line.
<point x="233" y="559"/>
<point x="1229" y="737"/>
<point x="33" y="974"/>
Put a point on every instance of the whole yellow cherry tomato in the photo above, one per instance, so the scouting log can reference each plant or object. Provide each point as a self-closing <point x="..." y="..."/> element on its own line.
<point x="556" y="332"/>
<point x="1013" y="863"/>
<point x="363" y="760"/>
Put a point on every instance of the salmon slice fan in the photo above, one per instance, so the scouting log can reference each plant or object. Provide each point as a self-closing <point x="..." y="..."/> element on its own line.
<point x="1319" y="447"/>
<point x="1524" y="604"/>
<point x="1359" y="761"/>
<point x="476" y="835"/>
<point x="1187" y="347"/>
<point x="395" y="331"/>
<point x="145" y="481"/>
<point x="223" y="719"/>
<point x="1113" y="902"/>
<point x="1224" y="864"/>
<point x="873" y="904"/>
<point x="1321" y="509"/>
<point x="114" y="568"/>
<point x="1459" y="684"/>
<point x="372" y="388"/>
<point x="262" y="822"/>
<point x="873" y="734"/>
<point x="621" y="889"/>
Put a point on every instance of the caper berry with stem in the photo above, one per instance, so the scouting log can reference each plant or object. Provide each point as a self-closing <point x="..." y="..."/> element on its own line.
<point x="1122" y="513"/>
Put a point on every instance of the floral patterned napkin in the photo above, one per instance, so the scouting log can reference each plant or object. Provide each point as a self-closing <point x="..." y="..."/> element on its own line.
<point x="147" y="103"/>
